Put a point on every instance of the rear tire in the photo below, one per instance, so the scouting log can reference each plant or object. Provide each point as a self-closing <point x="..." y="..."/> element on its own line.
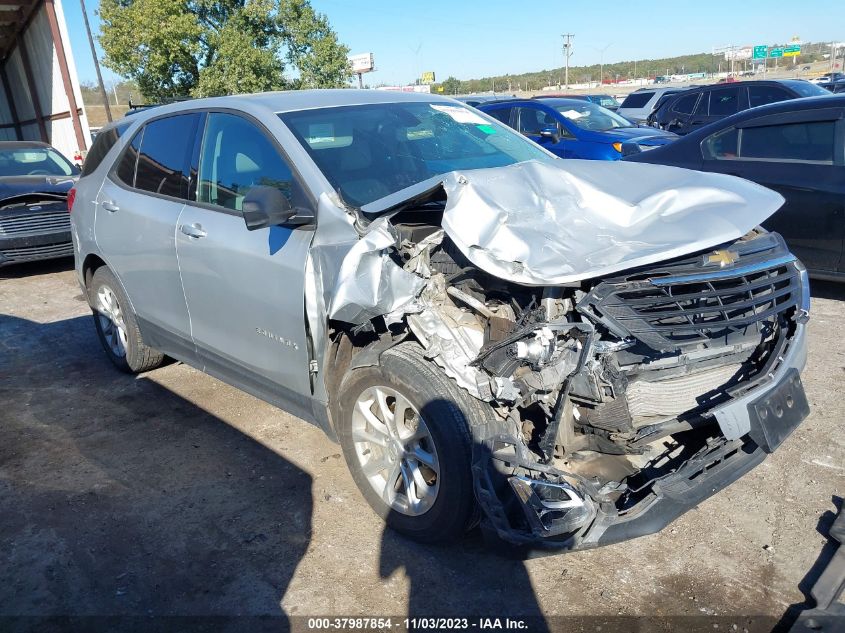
<point x="430" y="498"/>
<point x="117" y="327"/>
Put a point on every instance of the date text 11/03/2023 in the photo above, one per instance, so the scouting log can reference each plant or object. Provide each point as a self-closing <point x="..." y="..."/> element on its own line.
<point x="416" y="624"/>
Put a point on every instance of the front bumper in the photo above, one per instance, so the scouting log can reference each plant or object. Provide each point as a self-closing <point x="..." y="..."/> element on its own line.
<point x="753" y="423"/>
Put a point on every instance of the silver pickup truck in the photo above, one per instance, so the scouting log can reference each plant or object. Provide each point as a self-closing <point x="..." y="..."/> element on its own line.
<point x="571" y="353"/>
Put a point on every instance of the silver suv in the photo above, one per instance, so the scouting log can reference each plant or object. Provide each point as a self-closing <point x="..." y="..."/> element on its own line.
<point x="571" y="353"/>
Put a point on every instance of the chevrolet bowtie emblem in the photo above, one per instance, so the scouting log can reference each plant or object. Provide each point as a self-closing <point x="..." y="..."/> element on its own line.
<point x="722" y="257"/>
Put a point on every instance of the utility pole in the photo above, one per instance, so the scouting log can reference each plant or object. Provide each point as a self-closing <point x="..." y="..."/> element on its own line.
<point x="96" y="62"/>
<point x="567" y="53"/>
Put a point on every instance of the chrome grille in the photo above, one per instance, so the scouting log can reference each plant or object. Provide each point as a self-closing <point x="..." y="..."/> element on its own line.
<point x="31" y="253"/>
<point x="674" y="307"/>
<point x="35" y="224"/>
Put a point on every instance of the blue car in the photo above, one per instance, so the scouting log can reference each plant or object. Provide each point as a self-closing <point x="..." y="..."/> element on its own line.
<point x="574" y="128"/>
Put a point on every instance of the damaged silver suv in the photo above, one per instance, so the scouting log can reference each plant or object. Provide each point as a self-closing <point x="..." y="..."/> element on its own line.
<point x="571" y="353"/>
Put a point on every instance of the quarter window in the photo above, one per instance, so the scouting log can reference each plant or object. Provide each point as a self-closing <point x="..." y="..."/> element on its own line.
<point x="165" y="153"/>
<point x="125" y="170"/>
<point x="534" y="120"/>
<point x="724" y="101"/>
<point x="237" y="156"/>
<point x="722" y="145"/>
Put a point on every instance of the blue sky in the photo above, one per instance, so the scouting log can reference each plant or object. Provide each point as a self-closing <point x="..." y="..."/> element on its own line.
<point x="474" y="39"/>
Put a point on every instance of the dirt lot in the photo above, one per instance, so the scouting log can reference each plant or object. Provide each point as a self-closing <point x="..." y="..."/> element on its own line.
<point x="174" y="494"/>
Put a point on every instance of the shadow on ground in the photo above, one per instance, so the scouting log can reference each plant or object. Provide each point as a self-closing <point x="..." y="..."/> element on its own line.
<point x="118" y="496"/>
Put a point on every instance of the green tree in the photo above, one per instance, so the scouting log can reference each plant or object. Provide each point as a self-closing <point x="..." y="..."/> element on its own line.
<point x="451" y="86"/>
<point x="201" y="48"/>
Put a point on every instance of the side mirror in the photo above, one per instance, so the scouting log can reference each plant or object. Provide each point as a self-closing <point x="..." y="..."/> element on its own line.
<point x="267" y="206"/>
<point x="551" y="133"/>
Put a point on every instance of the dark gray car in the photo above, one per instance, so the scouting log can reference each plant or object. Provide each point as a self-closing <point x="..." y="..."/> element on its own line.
<point x="575" y="352"/>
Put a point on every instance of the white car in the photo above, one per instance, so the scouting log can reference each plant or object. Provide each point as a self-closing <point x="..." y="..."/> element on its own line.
<point x="639" y="104"/>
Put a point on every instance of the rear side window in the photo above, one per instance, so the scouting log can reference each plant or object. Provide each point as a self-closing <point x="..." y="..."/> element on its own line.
<point x="724" y="101"/>
<point x="811" y="141"/>
<point x="686" y="104"/>
<point x="102" y="144"/>
<point x="534" y="120"/>
<point x="164" y="157"/>
<point x="761" y="95"/>
<point x="637" y="100"/>
<point x="237" y="156"/>
<point x="125" y="169"/>
<point x="500" y="114"/>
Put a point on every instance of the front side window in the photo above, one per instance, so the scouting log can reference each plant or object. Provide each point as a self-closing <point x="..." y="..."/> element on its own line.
<point x="165" y="154"/>
<point x="812" y="141"/>
<point x="237" y="156"/>
<point x="370" y="151"/>
<point x="724" y="101"/>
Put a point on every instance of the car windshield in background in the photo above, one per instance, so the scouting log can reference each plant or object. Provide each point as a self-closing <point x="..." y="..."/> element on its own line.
<point x="606" y="101"/>
<point x="589" y="116"/>
<point x="806" y="89"/>
<point x="368" y="152"/>
<point x="34" y="161"/>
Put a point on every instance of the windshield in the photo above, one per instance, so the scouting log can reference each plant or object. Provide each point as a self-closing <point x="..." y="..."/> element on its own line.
<point x="368" y="152"/>
<point x="589" y="116"/>
<point x="606" y="101"/>
<point x="34" y="161"/>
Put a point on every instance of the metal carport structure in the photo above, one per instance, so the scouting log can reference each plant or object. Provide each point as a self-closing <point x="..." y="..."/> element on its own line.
<point x="40" y="97"/>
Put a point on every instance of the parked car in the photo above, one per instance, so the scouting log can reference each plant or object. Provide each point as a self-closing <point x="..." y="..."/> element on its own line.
<point x="695" y="108"/>
<point x="835" y="87"/>
<point x="489" y="331"/>
<point x="828" y="78"/>
<point x="571" y="128"/>
<point x="638" y="105"/>
<point x="793" y="147"/>
<point x="34" y="184"/>
<point x="605" y="101"/>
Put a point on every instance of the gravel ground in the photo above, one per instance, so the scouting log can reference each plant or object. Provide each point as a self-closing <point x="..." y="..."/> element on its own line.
<point x="173" y="494"/>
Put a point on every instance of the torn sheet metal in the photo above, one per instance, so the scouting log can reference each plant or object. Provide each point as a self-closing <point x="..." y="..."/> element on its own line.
<point x="370" y="283"/>
<point x="539" y="223"/>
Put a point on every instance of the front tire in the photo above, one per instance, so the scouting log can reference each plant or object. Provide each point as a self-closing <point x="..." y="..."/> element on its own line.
<point x="404" y="427"/>
<point x="117" y="327"/>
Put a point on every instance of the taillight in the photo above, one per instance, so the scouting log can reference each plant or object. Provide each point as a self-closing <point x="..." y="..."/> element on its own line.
<point x="71" y="197"/>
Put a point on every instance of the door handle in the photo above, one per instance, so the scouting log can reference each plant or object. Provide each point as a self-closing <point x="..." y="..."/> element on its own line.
<point x="109" y="206"/>
<point x="193" y="230"/>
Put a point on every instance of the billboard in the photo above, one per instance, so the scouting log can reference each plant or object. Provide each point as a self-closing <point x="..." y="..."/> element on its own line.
<point x="427" y="77"/>
<point x="738" y="54"/>
<point x="362" y="63"/>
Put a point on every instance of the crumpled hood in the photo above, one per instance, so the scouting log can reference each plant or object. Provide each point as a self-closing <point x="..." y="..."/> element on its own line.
<point x="538" y="223"/>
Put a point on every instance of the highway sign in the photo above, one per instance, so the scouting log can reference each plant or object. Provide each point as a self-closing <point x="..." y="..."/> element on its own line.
<point x="775" y="52"/>
<point x="793" y="50"/>
<point x="760" y="52"/>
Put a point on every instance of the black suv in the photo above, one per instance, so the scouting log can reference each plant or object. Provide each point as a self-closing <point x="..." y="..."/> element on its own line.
<point x="689" y="110"/>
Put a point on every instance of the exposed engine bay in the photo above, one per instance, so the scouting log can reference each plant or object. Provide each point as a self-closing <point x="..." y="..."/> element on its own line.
<point x="606" y="395"/>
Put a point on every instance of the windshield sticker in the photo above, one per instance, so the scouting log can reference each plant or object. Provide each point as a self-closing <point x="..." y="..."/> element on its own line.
<point x="459" y="114"/>
<point x="487" y="129"/>
<point x="572" y="115"/>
